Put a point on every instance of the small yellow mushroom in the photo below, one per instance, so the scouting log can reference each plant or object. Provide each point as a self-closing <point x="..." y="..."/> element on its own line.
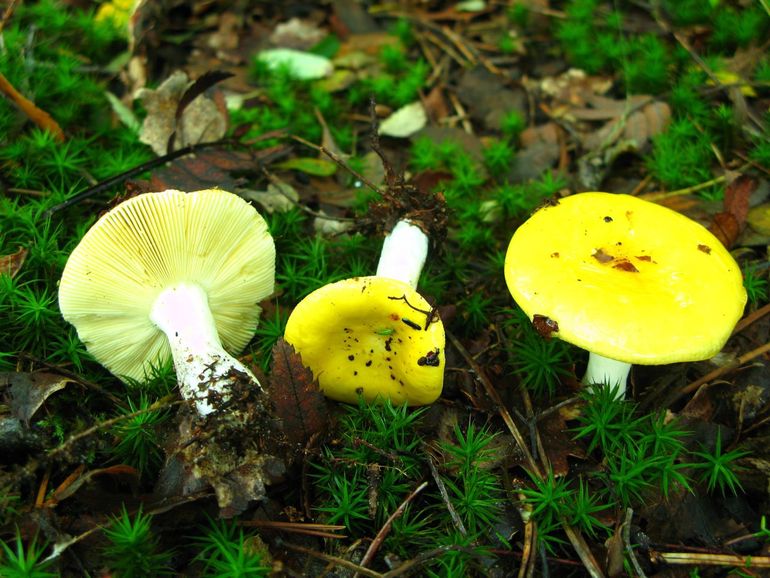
<point x="370" y="336"/>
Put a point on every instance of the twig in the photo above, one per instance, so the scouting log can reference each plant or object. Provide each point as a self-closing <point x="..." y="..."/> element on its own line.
<point x="162" y="403"/>
<point x="445" y="496"/>
<point x="151" y="164"/>
<point x="659" y="196"/>
<point x="687" y="558"/>
<point x="385" y="530"/>
<point x="425" y="556"/>
<point x="333" y="156"/>
<point x="306" y="529"/>
<point x="333" y="560"/>
<point x="720" y="371"/>
<point x="751" y="318"/>
<point x="495" y="397"/>
<point x="627" y="543"/>
<point x="7" y="14"/>
<point x="37" y="115"/>
<point x="575" y="537"/>
<point x="279" y="189"/>
<point x="530" y="540"/>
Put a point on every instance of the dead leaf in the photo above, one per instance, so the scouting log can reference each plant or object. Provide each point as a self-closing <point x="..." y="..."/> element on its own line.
<point x="574" y="88"/>
<point x="436" y="104"/>
<point x="637" y="128"/>
<point x="728" y="224"/>
<point x="540" y="151"/>
<point x="30" y="390"/>
<point x="558" y="444"/>
<point x="327" y="226"/>
<point x="11" y="264"/>
<point x="615" y="550"/>
<point x="225" y="40"/>
<point x="203" y="120"/>
<point x="405" y="122"/>
<point x="212" y="168"/>
<point x="297" y="401"/>
<point x="297" y="33"/>
<point x="759" y="219"/>
<point x="279" y="197"/>
<point x="77" y="479"/>
<point x="310" y="166"/>
<point x="488" y="98"/>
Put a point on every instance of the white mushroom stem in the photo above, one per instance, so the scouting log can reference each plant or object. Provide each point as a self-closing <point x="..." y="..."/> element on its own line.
<point x="404" y="252"/>
<point x="202" y="365"/>
<point x="605" y="371"/>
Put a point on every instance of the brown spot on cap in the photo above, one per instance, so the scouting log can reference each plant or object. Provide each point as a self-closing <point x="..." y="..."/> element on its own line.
<point x="608" y="219"/>
<point x="601" y="256"/>
<point x="544" y="325"/>
<point x="705" y="248"/>
<point x="626" y="265"/>
<point x="555" y="255"/>
<point x="644" y="258"/>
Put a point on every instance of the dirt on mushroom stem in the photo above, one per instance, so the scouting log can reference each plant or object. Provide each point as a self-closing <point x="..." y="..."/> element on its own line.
<point x="238" y="449"/>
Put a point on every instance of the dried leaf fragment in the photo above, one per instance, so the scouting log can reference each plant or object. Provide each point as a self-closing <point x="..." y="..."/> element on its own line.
<point x="30" y="390"/>
<point x="11" y="264"/>
<point x="297" y="401"/>
<point x="202" y="120"/>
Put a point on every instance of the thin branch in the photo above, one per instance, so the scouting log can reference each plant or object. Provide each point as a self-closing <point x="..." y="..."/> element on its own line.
<point x="719" y="372"/>
<point x="575" y="537"/>
<point x="627" y="543"/>
<point x="335" y="560"/>
<point x="445" y="496"/>
<point x="333" y="156"/>
<point x="385" y="530"/>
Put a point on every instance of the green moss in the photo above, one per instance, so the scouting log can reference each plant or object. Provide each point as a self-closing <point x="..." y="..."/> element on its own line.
<point x="738" y="28"/>
<point x="681" y="156"/>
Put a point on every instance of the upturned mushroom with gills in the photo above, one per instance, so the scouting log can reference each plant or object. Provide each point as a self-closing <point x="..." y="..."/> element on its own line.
<point x="630" y="281"/>
<point x="173" y="274"/>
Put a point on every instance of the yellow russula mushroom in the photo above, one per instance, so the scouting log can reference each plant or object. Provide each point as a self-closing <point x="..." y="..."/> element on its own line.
<point x="626" y="279"/>
<point x="370" y="336"/>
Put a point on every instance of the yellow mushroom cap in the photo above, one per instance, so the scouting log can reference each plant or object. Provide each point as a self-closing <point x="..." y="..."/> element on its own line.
<point x="211" y="238"/>
<point x="370" y="336"/>
<point x="626" y="278"/>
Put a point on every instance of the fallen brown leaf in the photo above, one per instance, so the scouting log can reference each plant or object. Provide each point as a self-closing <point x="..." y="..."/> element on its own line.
<point x="30" y="390"/>
<point x="11" y="264"/>
<point x="728" y="224"/>
<point x="202" y="120"/>
<point x="212" y="168"/>
<point x="297" y="401"/>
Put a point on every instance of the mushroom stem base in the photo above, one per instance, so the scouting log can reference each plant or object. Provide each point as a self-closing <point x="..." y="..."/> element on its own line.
<point x="605" y="371"/>
<point x="206" y="373"/>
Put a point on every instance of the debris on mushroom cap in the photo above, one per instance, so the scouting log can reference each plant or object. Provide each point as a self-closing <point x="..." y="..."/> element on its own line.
<point x="370" y="336"/>
<point x="625" y="278"/>
<point x="210" y="238"/>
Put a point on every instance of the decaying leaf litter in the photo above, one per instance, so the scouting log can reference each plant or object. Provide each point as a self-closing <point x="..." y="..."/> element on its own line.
<point x="468" y="116"/>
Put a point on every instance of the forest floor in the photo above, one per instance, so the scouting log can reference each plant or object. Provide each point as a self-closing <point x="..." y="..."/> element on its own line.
<point x="334" y="120"/>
